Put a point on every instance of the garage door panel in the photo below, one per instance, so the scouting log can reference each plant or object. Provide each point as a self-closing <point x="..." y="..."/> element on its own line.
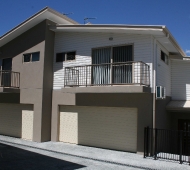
<point x="69" y="127"/>
<point x="11" y="119"/>
<point x="27" y="124"/>
<point x="106" y="127"/>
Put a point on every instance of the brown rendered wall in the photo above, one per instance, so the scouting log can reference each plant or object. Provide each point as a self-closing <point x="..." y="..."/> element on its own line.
<point x="141" y="101"/>
<point x="34" y="88"/>
<point x="163" y="118"/>
<point x="47" y="83"/>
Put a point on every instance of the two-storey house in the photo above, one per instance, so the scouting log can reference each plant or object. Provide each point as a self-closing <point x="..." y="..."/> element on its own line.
<point x="92" y="85"/>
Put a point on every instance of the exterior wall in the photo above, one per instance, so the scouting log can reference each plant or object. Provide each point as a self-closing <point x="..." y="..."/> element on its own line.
<point x="83" y="43"/>
<point x="143" y="103"/>
<point x="178" y="115"/>
<point x="163" y="76"/>
<point x="9" y="97"/>
<point x="163" y="118"/>
<point x="36" y="78"/>
<point x="180" y="79"/>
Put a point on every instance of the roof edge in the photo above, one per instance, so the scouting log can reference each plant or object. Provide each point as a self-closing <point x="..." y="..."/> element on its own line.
<point x="115" y="25"/>
<point x="41" y="11"/>
<point x="173" y="41"/>
<point x="62" y="16"/>
<point x="38" y="13"/>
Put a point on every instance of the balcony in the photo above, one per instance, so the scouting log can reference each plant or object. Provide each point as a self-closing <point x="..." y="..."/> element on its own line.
<point x="9" y="81"/>
<point x="134" y="76"/>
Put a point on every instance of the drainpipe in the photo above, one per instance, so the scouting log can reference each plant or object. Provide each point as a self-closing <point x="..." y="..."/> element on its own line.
<point x="154" y="83"/>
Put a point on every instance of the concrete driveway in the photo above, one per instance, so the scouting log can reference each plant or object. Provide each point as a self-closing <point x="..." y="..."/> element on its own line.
<point x="58" y="155"/>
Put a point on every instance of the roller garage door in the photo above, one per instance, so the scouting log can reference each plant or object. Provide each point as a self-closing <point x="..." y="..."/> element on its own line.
<point x="104" y="127"/>
<point x="11" y="119"/>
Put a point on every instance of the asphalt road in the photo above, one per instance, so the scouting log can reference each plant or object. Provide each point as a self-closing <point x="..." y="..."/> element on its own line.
<point x="14" y="158"/>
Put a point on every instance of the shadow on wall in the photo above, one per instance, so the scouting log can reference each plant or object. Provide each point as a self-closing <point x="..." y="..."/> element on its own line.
<point x="22" y="159"/>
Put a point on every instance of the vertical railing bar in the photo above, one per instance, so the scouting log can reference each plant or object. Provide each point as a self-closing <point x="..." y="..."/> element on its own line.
<point x="180" y="147"/>
<point x="145" y="141"/>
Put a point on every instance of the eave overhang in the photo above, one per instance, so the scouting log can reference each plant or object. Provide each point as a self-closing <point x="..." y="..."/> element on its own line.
<point x="161" y="33"/>
<point x="178" y="105"/>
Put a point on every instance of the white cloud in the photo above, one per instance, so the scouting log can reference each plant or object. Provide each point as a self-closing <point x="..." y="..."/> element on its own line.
<point x="187" y="51"/>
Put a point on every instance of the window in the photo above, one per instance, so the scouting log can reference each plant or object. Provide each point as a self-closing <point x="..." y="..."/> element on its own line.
<point x="31" y="57"/>
<point x="164" y="57"/>
<point x="65" y="56"/>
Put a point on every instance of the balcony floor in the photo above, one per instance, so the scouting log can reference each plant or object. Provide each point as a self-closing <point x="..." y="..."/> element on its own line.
<point x="9" y="90"/>
<point x="107" y="89"/>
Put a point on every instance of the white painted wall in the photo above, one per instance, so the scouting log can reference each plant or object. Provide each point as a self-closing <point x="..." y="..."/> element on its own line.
<point x="163" y="76"/>
<point x="180" y="79"/>
<point x="83" y="43"/>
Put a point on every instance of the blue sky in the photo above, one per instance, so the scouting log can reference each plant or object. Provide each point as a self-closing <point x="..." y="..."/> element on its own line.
<point x="175" y="14"/>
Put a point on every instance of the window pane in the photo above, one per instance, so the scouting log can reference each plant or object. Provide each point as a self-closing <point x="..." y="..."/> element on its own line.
<point x="166" y="59"/>
<point x="60" y="57"/>
<point x="71" y="56"/>
<point x="35" y="56"/>
<point x="162" y="56"/>
<point x="27" y="57"/>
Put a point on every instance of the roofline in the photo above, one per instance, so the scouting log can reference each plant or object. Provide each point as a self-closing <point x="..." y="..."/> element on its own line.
<point x="174" y="42"/>
<point x="38" y="13"/>
<point x="163" y="27"/>
<point x="115" y="26"/>
<point x="62" y="16"/>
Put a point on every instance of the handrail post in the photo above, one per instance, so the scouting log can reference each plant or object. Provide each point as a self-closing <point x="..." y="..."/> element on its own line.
<point x="1" y="79"/>
<point x="86" y="74"/>
<point x="145" y="141"/>
<point x="180" y="146"/>
<point x="111" y="73"/>
<point x="155" y="146"/>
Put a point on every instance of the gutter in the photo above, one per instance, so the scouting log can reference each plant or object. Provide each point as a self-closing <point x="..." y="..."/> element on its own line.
<point x="173" y="41"/>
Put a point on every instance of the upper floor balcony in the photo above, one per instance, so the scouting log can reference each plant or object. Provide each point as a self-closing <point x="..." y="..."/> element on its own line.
<point x="121" y="77"/>
<point x="9" y="81"/>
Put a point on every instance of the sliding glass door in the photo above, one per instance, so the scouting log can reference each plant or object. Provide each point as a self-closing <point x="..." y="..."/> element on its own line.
<point x="105" y="69"/>
<point x="122" y="73"/>
<point x="101" y="73"/>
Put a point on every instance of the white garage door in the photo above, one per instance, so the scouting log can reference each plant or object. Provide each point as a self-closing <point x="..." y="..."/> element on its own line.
<point x="11" y="119"/>
<point x="104" y="127"/>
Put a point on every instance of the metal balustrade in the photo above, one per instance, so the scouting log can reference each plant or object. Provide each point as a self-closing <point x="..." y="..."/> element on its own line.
<point x="125" y="73"/>
<point x="9" y="79"/>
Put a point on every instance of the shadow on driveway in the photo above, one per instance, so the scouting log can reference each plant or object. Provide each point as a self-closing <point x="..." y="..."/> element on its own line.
<point x="12" y="158"/>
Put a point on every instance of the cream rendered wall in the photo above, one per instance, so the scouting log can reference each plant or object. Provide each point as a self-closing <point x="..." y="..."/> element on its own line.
<point x="163" y="76"/>
<point x="83" y="43"/>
